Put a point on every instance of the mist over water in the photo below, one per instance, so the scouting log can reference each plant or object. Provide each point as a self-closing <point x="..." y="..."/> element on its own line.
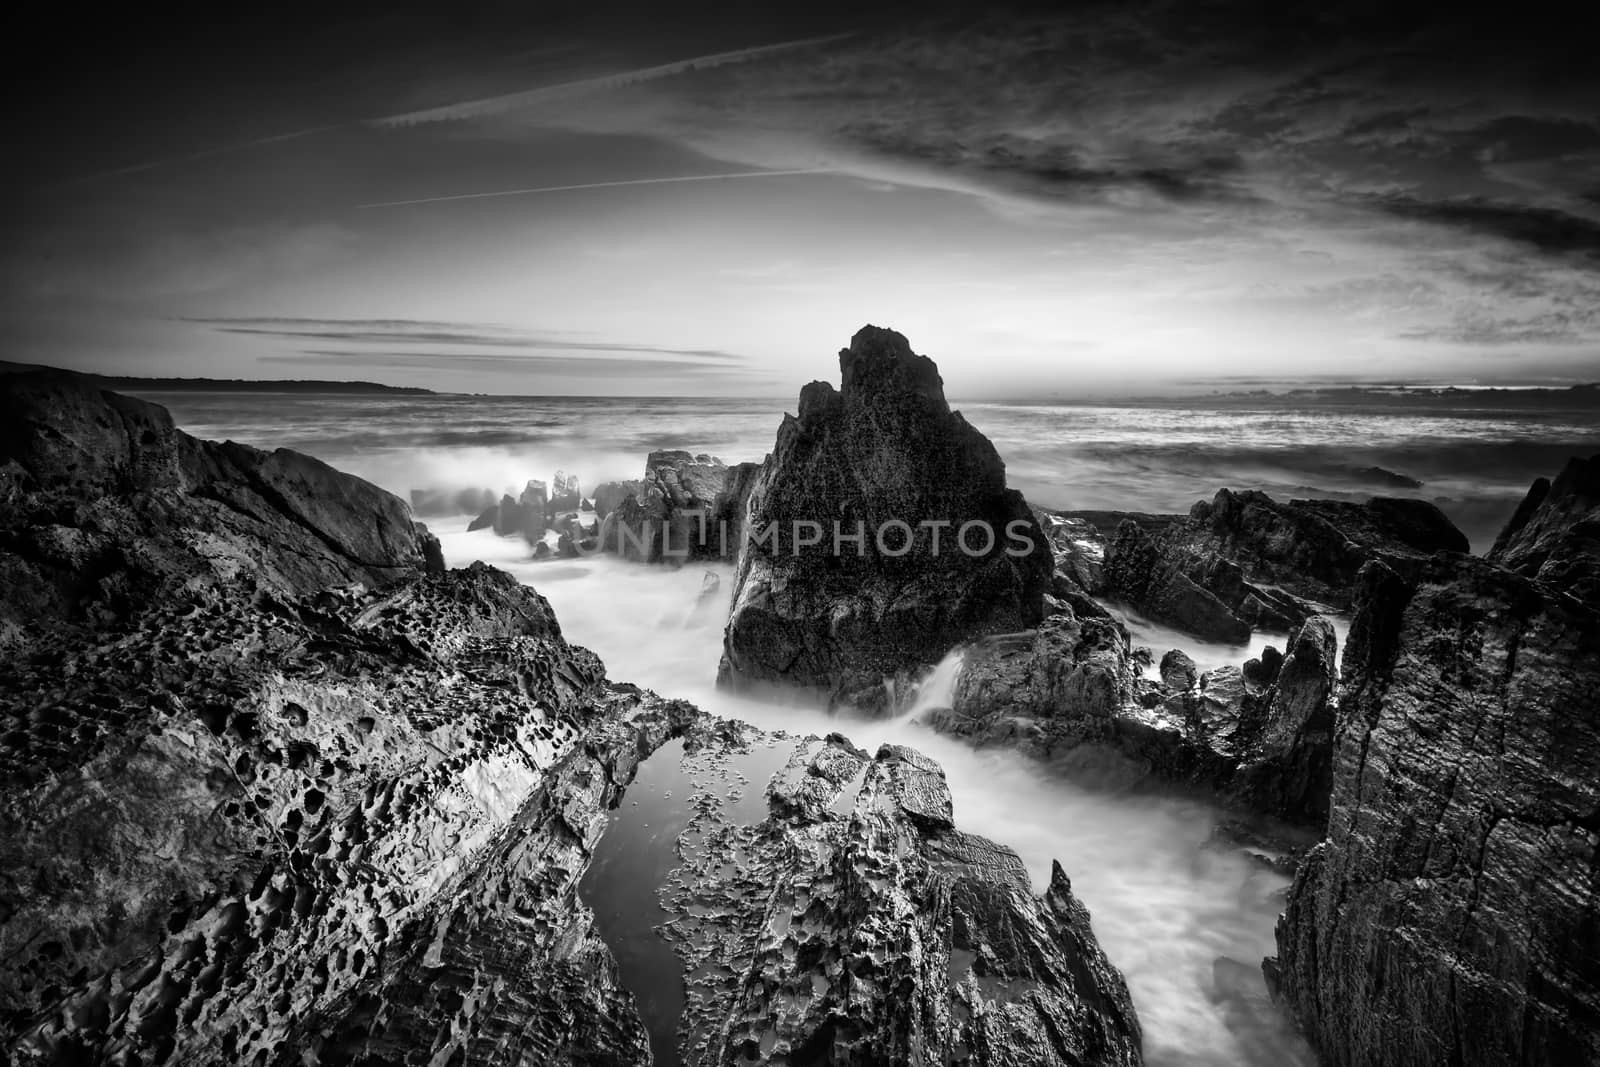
<point x="1475" y="462"/>
<point x="1167" y="901"/>
<point x="1185" y="917"/>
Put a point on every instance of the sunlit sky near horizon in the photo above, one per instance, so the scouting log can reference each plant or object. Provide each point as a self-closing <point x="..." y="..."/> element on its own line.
<point x="1120" y="199"/>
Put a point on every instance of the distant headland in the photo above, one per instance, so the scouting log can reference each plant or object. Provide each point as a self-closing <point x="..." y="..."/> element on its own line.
<point x="130" y="383"/>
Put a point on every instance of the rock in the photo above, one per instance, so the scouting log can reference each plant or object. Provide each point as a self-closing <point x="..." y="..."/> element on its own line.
<point x="920" y="943"/>
<point x="564" y="494"/>
<point x="608" y="495"/>
<point x="1388" y="478"/>
<point x="1555" y="533"/>
<point x="488" y="519"/>
<point x="1178" y="671"/>
<point x="686" y="507"/>
<point x="1288" y="766"/>
<point x="1245" y="561"/>
<point x="884" y="449"/>
<point x="1452" y="914"/>
<point x="111" y="508"/>
<point x="1071" y="692"/>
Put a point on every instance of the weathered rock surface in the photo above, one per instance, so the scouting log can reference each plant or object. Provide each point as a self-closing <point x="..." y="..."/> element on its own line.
<point x="686" y="507"/>
<point x="108" y="507"/>
<point x="1452" y="915"/>
<point x="861" y="927"/>
<point x="884" y="449"/>
<point x="1072" y="692"/>
<point x="1555" y="533"/>
<point x="1244" y="561"/>
<point x="250" y="817"/>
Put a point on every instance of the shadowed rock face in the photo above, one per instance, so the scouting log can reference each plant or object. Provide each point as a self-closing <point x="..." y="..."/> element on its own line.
<point x="106" y="506"/>
<point x="1555" y="533"/>
<point x="1244" y="561"/>
<point x="884" y="448"/>
<point x="1452" y="915"/>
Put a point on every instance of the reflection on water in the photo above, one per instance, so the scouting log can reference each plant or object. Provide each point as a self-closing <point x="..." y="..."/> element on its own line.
<point x="1168" y="903"/>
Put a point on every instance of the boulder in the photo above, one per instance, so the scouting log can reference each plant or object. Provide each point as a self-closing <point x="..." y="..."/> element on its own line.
<point x="1178" y="671"/>
<point x="608" y="495"/>
<point x="1452" y="914"/>
<point x="883" y="457"/>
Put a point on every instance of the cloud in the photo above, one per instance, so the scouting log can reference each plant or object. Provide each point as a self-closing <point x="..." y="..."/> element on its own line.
<point x="1545" y="229"/>
<point x="390" y="332"/>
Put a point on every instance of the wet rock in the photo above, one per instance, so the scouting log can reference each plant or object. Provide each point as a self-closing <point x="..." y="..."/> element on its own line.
<point x="885" y="449"/>
<point x="1450" y="916"/>
<point x="1554" y="534"/>
<point x="915" y="942"/>
<point x="1178" y="671"/>
<point x="1244" y="561"/>
<point x="1288" y="765"/>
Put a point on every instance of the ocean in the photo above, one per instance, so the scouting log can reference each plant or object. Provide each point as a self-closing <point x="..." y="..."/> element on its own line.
<point x="1185" y="916"/>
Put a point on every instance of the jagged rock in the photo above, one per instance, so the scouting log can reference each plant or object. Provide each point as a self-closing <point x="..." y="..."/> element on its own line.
<point x="883" y="449"/>
<point x="1554" y="534"/>
<point x="856" y="925"/>
<point x="1452" y="914"/>
<point x="1288" y="766"/>
<point x="1178" y="670"/>
<point x="686" y="507"/>
<point x="1216" y="574"/>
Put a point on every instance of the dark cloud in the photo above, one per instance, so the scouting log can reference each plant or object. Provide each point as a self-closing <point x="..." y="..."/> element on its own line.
<point x="1543" y="228"/>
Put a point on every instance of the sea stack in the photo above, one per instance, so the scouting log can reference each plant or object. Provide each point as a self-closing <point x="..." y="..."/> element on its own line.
<point x="878" y="535"/>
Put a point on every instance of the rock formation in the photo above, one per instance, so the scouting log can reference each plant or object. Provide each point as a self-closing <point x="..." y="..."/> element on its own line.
<point x="686" y="507"/>
<point x="1555" y="533"/>
<point x="275" y="787"/>
<point x="107" y="507"/>
<point x="860" y="874"/>
<point x="1452" y="915"/>
<point x="884" y="459"/>
<point x="1244" y="561"/>
<point x="1071" y="692"/>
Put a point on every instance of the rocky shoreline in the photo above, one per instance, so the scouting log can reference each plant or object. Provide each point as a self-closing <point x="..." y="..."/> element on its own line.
<point x="280" y="785"/>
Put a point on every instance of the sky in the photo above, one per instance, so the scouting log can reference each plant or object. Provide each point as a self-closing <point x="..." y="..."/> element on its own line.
<point x="710" y="199"/>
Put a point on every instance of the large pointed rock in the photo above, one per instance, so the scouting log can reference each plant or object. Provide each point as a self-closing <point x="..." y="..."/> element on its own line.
<point x="945" y="552"/>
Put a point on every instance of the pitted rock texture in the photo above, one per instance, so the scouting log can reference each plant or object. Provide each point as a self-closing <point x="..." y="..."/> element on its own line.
<point x="837" y="619"/>
<point x="686" y="507"/>
<point x="106" y="507"/>
<point x="1452" y="915"/>
<point x="1555" y="533"/>
<point x="1071" y="692"/>
<point x="856" y="925"/>
<point x="250" y="826"/>
<point x="1244" y="561"/>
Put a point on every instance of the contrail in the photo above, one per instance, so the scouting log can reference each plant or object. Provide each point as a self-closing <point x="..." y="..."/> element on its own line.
<point x="492" y="104"/>
<point x="600" y="185"/>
